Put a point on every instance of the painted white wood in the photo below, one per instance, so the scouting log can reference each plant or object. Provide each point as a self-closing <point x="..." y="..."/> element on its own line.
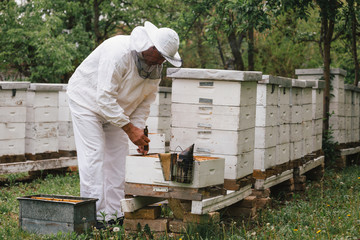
<point x="163" y="110"/>
<point x="12" y="146"/>
<point x="296" y="132"/>
<point x="317" y="111"/>
<point x="267" y="116"/>
<point x="307" y="129"/>
<point x="63" y="99"/>
<point x="311" y="164"/>
<point x="147" y="170"/>
<point x="6" y="85"/>
<point x="67" y="143"/>
<point x="349" y="151"/>
<point x="8" y="100"/>
<point x="213" y="74"/>
<point x="284" y="133"/>
<point x="266" y="137"/>
<point x="220" y="202"/>
<point x="213" y="141"/>
<point x="43" y="99"/>
<point x="199" y="116"/>
<point x="296" y="150"/>
<point x="37" y="165"/>
<point x="220" y="93"/>
<point x="138" y="202"/>
<point x="42" y="114"/>
<point x="282" y="153"/>
<point x="307" y="112"/>
<point x="336" y="122"/>
<point x="42" y="130"/>
<point x="41" y="145"/>
<point x="337" y="95"/>
<point x="307" y="96"/>
<point x="338" y="109"/>
<point x="284" y="114"/>
<point x="267" y="95"/>
<point x="261" y="184"/>
<point x="236" y="166"/>
<point x="12" y="130"/>
<point x="308" y="145"/>
<point x="13" y="114"/>
<point x="64" y="114"/>
<point x="155" y="123"/>
<point x="264" y="158"/>
<point x="296" y="114"/>
<point x="65" y="129"/>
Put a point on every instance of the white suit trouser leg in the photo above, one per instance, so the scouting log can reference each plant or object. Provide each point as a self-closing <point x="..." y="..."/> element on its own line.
<point x="101" y="151"/>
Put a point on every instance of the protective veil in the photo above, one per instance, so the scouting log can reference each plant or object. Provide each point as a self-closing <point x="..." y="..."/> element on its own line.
<point x="106" y="93"/>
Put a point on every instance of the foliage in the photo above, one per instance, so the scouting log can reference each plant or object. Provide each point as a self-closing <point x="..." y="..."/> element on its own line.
<point x="328" y="210"/>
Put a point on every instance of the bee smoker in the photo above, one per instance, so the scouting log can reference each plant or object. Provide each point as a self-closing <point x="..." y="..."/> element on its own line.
<point x="183" y="166"/>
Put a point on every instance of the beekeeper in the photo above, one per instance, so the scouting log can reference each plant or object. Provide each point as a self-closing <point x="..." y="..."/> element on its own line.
<point x="109" y="97"/>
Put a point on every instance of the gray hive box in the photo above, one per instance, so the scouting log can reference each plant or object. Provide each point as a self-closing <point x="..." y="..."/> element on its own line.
<point x="44" y="214"/>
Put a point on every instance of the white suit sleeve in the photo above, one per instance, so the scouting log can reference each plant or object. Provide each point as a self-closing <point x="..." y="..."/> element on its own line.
<point x="109" y="77"/>
<point x="141" y="113"/>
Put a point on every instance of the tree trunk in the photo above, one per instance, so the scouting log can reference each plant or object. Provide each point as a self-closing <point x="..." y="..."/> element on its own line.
<point x="96" y="21"/>
<point x="353" y="43"/>
<point x="328" y="26"/>
<point x="251" y="64"/>
<point x="235" y="46"/>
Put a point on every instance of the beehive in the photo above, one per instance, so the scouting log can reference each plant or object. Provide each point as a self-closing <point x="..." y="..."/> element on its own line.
<point x="215" y="110"/>
<point x="207" y="171"/>
<point x="50" y="214"/>
<point x="12" y="117"/>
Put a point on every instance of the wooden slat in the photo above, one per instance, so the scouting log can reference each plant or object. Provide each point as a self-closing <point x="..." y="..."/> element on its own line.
<point x="27" y="166"/>
<point x="163" y="191"/>
<point x="135" y="203"/>
<point x="219" y="202"/>
<point x="311" y="164"/>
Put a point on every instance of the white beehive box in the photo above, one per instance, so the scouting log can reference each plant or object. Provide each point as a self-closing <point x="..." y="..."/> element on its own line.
<point x="268" y="116"/>
<point x="12" y="130"/>
<point x="296" y="114"/>
<point x="283" y="153"/>
<point x="212" y="117"/>
<point x="41" y="145"/>
<point x="296" y="132"/>
<point x="156" y="145"/>
<point x="41" y="130"/>
<point x="296" y="150"/>
<point x="161" y="107"/>
<point x="266" y="137"/>
<point x="12" y="146"/>
<point x="213" y="141"/>
<point x="237" y="166"/>
<point x="267" y="94"/>
<point x="214" y="87"/>
<point x="13" y="94"/>
<point x="205" y="172"/>
<point x="13" y="114"/>
<point x="264" y="158"/>
<point x="284" y="133"/>
<point x="66" y="143"/>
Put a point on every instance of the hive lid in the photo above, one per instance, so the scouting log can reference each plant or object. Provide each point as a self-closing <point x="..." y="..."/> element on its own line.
<point x="213" y="74"/>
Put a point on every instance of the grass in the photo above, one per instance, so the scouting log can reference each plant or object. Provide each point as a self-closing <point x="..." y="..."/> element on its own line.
<point x="329" y="209"/>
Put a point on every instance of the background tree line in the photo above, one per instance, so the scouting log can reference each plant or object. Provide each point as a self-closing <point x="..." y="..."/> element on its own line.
<point x="44" y="41"/>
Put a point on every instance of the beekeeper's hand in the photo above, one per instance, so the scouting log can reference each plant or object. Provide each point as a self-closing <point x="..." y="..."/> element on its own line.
<point x="136" y="135"/>
<point x="142" y="150"/>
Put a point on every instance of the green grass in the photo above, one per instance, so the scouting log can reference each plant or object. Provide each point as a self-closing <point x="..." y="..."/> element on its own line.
<point x="328" y="210"/>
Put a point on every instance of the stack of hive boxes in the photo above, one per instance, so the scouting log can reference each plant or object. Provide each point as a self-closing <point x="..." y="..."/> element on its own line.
<point x="160" y="114"/>
<point x="296" y="126"/>
<point x="337" y="101"/>
<point x="284" y="121"/>
<point x="317" y="114"/>
<point x="215" y="110"/>
<point x="42" y="119"/>
<point x="66" y="133"/>
<point x="267" y="123"/>
<point x="12" y="119"/>
<point x="307" y="117"/>
<point x="351" y="111"/>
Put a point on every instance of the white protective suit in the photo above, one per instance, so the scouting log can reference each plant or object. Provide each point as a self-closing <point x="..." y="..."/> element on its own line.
<point x="106" y="93"/>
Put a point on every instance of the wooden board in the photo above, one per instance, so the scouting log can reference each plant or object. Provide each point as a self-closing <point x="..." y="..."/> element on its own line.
<point x="311" y="165"/>
<point x="219" y="202"/>
<point x="37" y="165"/>
<point x="261" y="184"/>
<point x="134" y="203"/>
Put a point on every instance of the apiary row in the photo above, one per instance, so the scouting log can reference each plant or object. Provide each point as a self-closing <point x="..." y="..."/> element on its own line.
<point x="34" y="119"/>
